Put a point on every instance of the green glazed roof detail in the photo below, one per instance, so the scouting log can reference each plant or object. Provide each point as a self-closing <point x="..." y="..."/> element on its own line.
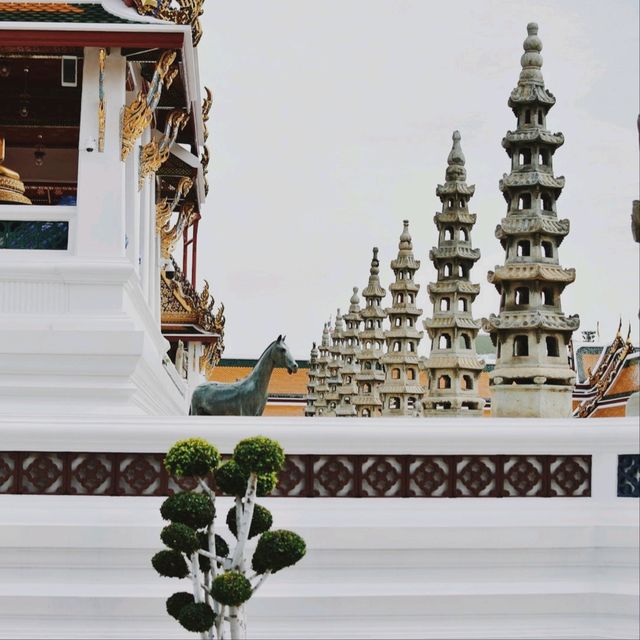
<point x="93" y="13"/>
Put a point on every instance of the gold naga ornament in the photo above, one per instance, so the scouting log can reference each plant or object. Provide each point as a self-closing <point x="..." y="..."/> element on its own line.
<point x="137" y="116"/>
<point x="169" y="235"/>
<point x="154" y="154"/>
<point x="188" y="13"/>
<point x="204" y="160"/>
<point x="165" y="207"/>
<point x="11" y="187"/>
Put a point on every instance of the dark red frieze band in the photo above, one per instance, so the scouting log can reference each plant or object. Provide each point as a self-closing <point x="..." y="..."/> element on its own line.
<point x="330" y="476"/>
<point x="12" y="38"/>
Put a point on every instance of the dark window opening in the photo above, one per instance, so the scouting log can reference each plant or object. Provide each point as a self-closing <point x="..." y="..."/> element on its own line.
<point x="522" y="295"/>
<point x="547" y="249"/>
<point x="448" y="233"/>
<point x="394" y="403"/>
<point x="445" y="341"/>
<point x="465" y="341"/>
<point x="445" y="304"/>
<point x="525" y="201"/>
<point x="547" y="203"/>
<point x="444" y="382"/>
<point x="467" y="382"/>
<point x="547" y="297"/>
<point x="411" y="374"/>
<point x="464" y="235"/>
<point x="521" y="346"/>
<point x="462" y="304"/>
<point x="525" y="157"/>
<point x="540" y="117"/>
<point x="395" y="374"/>
<point x="527" y="116"/>
<point x="523" y="248"/>
<point x="552" y="347"/>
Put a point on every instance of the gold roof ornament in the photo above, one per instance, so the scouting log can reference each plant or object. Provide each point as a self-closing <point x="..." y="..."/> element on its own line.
<point x="11" y="187"/>
<point x="188" y="13"/>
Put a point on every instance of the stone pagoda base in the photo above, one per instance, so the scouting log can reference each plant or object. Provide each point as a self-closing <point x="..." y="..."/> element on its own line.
<point x="531" y="401"/>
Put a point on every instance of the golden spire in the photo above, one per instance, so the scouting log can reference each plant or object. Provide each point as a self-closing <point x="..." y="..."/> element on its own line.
<point x="11" y="187"/>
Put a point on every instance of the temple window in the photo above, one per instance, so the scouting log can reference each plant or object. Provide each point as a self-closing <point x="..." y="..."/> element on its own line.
<point x="547" y="203"/>
<point x="521" y="346"/>
<point x="41" y="101"/>
<point x="552" y="347"/>
<point x="445" y="304"/>
<point x="547" y="249"/>
<point x="448" y="233"/>
<point x="525" y="201"/>
<point x="542" y="158"/>
<point x="522" y="295"/>
<point x="411" y="298"/>
<point x="464" y="235"/>
<point x="547" y="297"/>
<point x="366" y="387"/>
<point x="411" y="347"/>
<point x="462" y="304"/>
<point x="394" y="403"/>
<point x="367" y="365"/>
<point x="445" y="341"/>
<point x="400" y="299"/>
<point x="525" y="157"/>
<point x="462" y="203"/>
<point x="499" y="351"/>
<point x="398" y="322"/>
<point x="465" y="341"/>
<point x="540" y="116"/>
<point x="448" y="270"/>
<point x="467" y="382"/>
<point x="463" y="271"/>
<point x="527" y="116"/>
<point x="411" y="402"/>
<point x="444" y="382"/>
<point x="523" y="248"/>
<point x="396" y="346"/>
<point x="366" y="413"/>
<point x="411" y="374"/>
<point x="450" y="203"/>
<point x="409" y="322"/>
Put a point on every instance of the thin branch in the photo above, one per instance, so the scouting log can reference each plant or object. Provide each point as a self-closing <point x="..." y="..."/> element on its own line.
<point x="261" y="581"/>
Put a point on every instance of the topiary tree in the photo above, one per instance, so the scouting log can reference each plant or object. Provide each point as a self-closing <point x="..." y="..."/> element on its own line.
<point x="221" y="580"/>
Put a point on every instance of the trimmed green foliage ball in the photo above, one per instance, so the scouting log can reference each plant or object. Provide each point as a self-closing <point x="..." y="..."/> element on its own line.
<point x="276" y="550"/>
<point x="193" y="509"/>
<point x="222" y="549"/>
<point x="170" y="563"/>
<point x="191" y="457"/>
<point x="197" y="616"/>
<point x="177" y="601"/>
<point x="259" y="455"/>
<point x="232" y="480"/>
<point x="261" y="521"/>
<point x="180" y="537"/>
<point x="231" y="588"/>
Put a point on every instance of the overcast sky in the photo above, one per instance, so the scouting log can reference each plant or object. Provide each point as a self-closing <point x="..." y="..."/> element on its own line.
<point x="332" y="122"/>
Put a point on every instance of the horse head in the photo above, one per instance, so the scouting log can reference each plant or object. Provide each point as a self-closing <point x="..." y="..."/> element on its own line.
<point x="282" y="357"/>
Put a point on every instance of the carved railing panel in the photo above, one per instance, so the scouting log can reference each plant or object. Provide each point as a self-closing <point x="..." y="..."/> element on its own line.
<point x="335" y="476"/>
<point x="628" y="476"/>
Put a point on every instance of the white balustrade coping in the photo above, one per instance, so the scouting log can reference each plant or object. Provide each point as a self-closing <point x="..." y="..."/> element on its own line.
<point x="299" y="435"/>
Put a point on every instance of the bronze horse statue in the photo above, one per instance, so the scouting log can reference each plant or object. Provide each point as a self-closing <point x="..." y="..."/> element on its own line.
<point x="246" y="397"/>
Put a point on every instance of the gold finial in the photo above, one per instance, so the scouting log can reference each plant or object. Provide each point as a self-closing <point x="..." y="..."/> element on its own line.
<point x="11" y="187"/>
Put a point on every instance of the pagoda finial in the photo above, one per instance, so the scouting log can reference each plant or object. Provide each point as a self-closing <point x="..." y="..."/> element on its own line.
<point x="456" y="171"/>
<point x="355" y="301"/>
<point x="531" y="59"/>
<point x="325" y="335"/>
<point x="405" y="245"/>
<point x="375" y="263"/>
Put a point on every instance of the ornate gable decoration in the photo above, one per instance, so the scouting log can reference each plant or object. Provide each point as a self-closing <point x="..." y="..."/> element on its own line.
<point x="189" y="13"/>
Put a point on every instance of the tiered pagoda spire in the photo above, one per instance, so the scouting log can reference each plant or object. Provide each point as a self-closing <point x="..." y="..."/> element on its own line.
<point x="402" y="389"/>
<point x="532" y="376"/>
<point x="453" y="365"/>
<point x="322" y="375"/>
<point x="335" y="366"/>
<point x="371" y="374"/>
<point x="310" y="409"/>
<point x="350" y="347"/>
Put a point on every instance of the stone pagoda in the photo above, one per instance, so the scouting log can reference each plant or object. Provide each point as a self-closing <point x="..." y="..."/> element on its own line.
<point x="310" y="409"/>
<point x="453" y="365"/>
<point x="322" y="374"/>
<point x="371" y="374"/>
<point x="335" y="366"/>
<point x="401" y="389"/>
<point x="532" y="376"/>
<point x="350" y="367"/>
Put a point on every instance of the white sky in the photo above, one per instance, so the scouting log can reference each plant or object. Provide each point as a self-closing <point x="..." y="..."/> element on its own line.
<point x="332" y="122"/>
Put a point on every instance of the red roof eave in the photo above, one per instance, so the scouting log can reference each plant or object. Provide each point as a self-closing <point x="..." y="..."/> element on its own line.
<point x="12" y="38"/>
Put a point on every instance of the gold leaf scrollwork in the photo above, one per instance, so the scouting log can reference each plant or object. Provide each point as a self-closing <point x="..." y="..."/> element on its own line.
<point x="165" y="207"/>
<point x="102" y="110"/>
<point x="188" y="13"/>
<point x="206" y="107"/>
<point x="204" y="161"/>
<point x="169" y="235"/>
<point x="154" y="154"/>
<point x="137" y="116"/>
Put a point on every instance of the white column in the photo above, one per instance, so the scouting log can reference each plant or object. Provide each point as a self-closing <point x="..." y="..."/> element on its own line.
<point x="101" y="176"/>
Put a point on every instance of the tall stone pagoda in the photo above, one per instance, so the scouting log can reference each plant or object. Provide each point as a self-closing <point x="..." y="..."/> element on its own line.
<point x="532" y="376"/>
<point x="371" y="374"/>
<point x="310" y="409"/>
<point x="401" y="389"/>
<point x="335" y="365"/>
<point x="453" y="365"/>
<point x="322" y="374"/>
<point x="350" y="348"/>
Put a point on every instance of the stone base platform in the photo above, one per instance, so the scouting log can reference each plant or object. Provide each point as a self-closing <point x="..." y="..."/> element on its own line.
<point x="531" y="401"/>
